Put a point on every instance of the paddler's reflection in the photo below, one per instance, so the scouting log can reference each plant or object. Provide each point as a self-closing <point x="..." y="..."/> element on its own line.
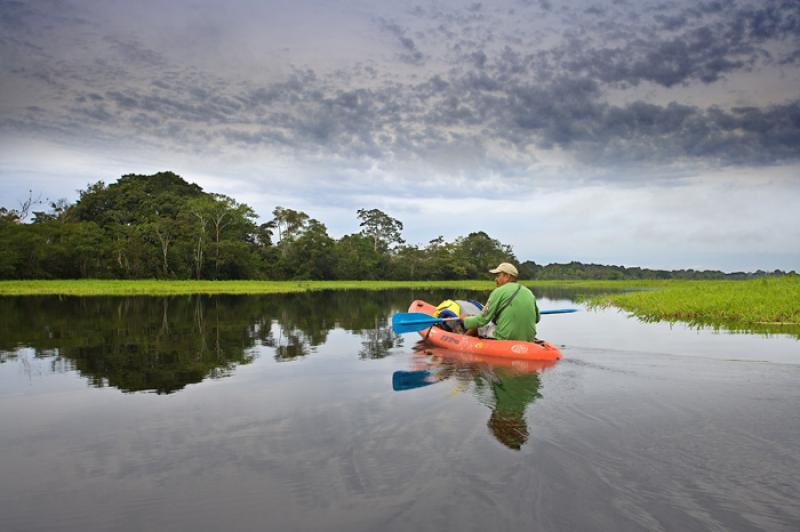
<point x="507" y="387"/>
<point x="512" y="393"/>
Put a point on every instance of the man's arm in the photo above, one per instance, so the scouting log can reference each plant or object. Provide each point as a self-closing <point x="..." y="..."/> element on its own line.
<point x="473" y="322"/>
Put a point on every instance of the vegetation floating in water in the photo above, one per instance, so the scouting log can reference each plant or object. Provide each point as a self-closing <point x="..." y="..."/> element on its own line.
<point x="767" y="305"/>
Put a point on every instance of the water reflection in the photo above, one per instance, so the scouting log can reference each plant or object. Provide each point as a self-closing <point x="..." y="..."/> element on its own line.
<point x="655" y="428"/>
<point x="570" y="293"/>
<point x="305" y="319"/>
<point x="162" y="344"/>
<point x="134" y="344"/>
<point x="718" y="326"/>
<point x="379" y="340"/>
<point x="507" y="387"/>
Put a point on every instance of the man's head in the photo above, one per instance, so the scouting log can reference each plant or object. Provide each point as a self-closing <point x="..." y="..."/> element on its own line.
<point x="504" y="273"/>
<point x="510" y="429"/>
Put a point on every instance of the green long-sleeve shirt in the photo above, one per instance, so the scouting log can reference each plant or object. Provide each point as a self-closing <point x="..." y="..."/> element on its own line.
<point x="517" y="321"/>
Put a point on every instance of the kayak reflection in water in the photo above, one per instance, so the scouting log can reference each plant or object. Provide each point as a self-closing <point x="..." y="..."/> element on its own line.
<point x="505" y="386"/>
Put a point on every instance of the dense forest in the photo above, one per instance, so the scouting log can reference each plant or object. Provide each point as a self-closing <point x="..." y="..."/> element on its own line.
<point x="161" y="226"/>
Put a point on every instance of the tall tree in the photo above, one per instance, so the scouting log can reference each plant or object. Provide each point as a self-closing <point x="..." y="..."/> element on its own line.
<point x="166" y="231"/>
<point x="289" y="223"/>
<point x="198" y="210"/>
<point x="384" y="230"/>
<point x="409" y="263"/>
<point x="357" y="259"/>
<point x="479" y="252"/>
<point x="225" y="212"/>
<point x="444" y="261"/>
<point x="311" y="255"/>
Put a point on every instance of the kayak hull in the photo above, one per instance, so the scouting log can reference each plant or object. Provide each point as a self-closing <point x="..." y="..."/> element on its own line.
<point x="425" y="352"/>
<point x="438" y="337"/>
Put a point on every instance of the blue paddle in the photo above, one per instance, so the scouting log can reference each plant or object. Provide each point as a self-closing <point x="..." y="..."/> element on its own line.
<point x="408" y="380"/>
<point x="404" y="322"/>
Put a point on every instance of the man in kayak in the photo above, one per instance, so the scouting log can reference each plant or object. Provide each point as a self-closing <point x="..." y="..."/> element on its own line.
<point x="511" y="307"/>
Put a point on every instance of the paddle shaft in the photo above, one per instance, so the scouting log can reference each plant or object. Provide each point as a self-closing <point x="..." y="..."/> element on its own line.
<point x="403" y="322"/>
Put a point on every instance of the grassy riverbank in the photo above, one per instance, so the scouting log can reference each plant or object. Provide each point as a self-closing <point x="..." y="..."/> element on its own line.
<point x="767" y="304"/>
<point x="102" y="287"/>
<point x="770" y="304"/>
<point x="90" y="287"/>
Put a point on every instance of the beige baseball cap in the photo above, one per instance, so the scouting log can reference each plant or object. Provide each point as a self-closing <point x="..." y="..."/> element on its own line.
<point x="506" y="267"/>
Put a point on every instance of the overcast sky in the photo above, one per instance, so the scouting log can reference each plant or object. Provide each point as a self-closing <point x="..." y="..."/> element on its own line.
<point x="658" y="134"/>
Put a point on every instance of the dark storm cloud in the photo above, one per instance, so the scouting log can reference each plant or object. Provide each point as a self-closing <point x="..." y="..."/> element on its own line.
<point x="791" y="58"/>
<point x="670" y="46"/>
<point x="189" y="108"/>
<point x="134" y="53"/>
<point x="643" y="132"/>
<point x="15" y="15"/>
<point x="97" y="113"/>
<point x="544" y="5"/>
<point x="306" y="116"/>
<point x="695" y="44"/>
<point x="465" y="110"/>
<point x="21" y="23"/>
<point x="694" y="56"/>
<point x="557" y="114"/>
<point x="410" y="53"/>
<point x="571" y="114"/>
<point x="492" y="91"/>
<point x="671" y="23"/>
<point x="594" y="10"/>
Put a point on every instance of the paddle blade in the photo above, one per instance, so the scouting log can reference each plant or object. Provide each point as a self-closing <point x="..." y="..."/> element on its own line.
<point x="405" y="322"/>
<point x="408" y="380"/>
<point x="558" y="311"/>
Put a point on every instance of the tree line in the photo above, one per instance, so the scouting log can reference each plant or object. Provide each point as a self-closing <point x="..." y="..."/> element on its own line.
<point x="578" y="271"/>
<point x="161" y="226"/>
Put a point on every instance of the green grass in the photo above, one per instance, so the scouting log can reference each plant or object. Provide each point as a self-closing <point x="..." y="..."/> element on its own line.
<point x="766" y="304"/>
<point x="103" y="287"/>
<point x="90" y="287"/>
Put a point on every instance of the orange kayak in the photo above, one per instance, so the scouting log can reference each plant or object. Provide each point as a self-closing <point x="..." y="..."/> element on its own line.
<point x="475" y="359"/>
<point x="539" y="350"/>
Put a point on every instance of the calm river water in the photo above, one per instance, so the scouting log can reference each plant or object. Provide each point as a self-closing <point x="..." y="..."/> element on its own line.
<point x="304" y="412"/>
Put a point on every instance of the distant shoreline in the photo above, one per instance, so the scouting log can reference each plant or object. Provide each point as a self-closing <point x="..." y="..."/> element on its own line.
<point x="152" y="287"/>
<point x="157" y="287"/>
